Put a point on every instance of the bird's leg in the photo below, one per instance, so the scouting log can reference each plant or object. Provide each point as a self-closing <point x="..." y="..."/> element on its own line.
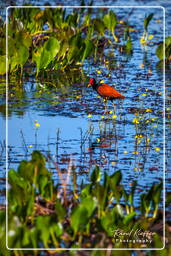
<point x="105" y="102"/>
<point x="114" y="105"/>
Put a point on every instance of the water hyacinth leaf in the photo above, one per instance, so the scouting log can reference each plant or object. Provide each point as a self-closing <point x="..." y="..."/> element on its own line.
<point x="115" y="179"/>
<point x="106" y="180"/>
<point x="145" y="204"/>
<point x="26" y="170"/>
<point x="87" y="19"/>
<point x="110" y="20"/>
<point x="19" y="57"/>
<point x="85" y="192"/>
<point x="45" y="54"/>
<point x="90" y="204"/>
<point x="168" y="41"/>
<point x="96" y="175"/>
<point x="3" y="249"/>
<point x="30" y="206"/>
<point x="43" y="224"/>
<point x="99" y="26"/>
<point x="60" y="210"/>
<point x="101" y="195"/>
<point x="79" y="218"/>
<point x="15" y="179"/>
<point x="26" y="236"/>
<point x="128" y="218"/>
<point x="34" y="236"/>
<point x="24" y="38"/>
<point x="64" y="46"/>
<point x="43" y="181"/>
<point x="128" y="46"/>
<point x="157" y="189"/>
<point x="147" y="20"/>
<point x="107" y="222"/>
<point x="72" y="53"/>
<point x="58" y="229"/>
<point x="2" y="65"/>
<point x="38" y="158"/>
<point x="88" y="49"/>
<point x="50" y="50"/>
<point x="117" y="194"/>
<point x="159" y="51"/>
<point x="75" y="46"/>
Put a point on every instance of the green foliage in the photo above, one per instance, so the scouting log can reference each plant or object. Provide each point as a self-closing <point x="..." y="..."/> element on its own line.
<point x="45" y="54"/>
<point x="37" y="218"/>
<point x="144" y="39"/>
<point x="147" y="21"/>
<point x="160" y="50"/>
<point x="2" y="64"/>
<point x="96" y="175"/>
<point x="51" y="39"/>
<point x="110" y="21"/>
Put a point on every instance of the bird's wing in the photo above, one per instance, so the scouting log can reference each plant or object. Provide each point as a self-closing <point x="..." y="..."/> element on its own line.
<point x="106" y="90"/>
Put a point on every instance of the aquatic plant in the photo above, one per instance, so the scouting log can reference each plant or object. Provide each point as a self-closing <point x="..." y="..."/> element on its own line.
<point x="39" y="217"/>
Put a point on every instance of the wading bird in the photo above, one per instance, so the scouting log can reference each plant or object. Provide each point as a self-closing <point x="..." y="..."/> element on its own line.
<point x="105" y="91"/>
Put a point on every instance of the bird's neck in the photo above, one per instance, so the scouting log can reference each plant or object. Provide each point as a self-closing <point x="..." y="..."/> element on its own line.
<point x="95" y="86"/>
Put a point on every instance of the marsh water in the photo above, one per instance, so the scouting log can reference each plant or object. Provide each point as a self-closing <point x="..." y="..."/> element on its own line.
<point x="58" y="115"/>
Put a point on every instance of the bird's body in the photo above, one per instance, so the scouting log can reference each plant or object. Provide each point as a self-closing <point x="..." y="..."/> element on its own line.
<point x="105" y="90"/>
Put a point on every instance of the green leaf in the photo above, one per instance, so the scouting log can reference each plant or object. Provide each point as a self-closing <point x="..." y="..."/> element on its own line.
<point x="85" y="192"/>
<point x="115" y="180"/>
<point x="168" y="41"/>
<point x="45" y="54"/>
<point x="128" y="218"/>
<point x="2" y="65"/>
<point x="90" y="204"/>
<point x="16" y="179"/>
<point x="118" y="209"/>
<point x="88" y="49"/>
<point x="43" y="224"/>
<point x="99" y="26"/>
<point x="58" y="229"/>
<point x="60" y="210"/>
<point x="43" y="181"/>
<point x="128" y="46"/>
<point x="110" y="21"/>
<point x="156" y="194"/>
<point x="96" y="175"/>
<point x="107" y="222"/>
<point x="19" y="57"/>
<point x="79" y="218"/>
<point x="101" y="194"/>
<point x="147" y="20"/>
<point x="159" y="51"/>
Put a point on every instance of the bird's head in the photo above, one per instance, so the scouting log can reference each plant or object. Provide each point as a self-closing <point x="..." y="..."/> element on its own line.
<point x="92" y="82"/>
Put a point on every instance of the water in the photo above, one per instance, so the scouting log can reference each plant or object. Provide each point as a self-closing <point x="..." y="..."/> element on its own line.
<point x="72" y="120"/>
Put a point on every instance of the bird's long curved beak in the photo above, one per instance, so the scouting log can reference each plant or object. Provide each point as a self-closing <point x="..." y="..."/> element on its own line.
<point x="88" y="85"/>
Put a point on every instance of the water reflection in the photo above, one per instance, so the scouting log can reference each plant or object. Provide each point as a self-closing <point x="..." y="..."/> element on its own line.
<point x="73" y="124"/>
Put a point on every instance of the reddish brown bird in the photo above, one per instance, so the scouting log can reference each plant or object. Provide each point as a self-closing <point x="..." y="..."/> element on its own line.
<point x="105" y="90"/>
